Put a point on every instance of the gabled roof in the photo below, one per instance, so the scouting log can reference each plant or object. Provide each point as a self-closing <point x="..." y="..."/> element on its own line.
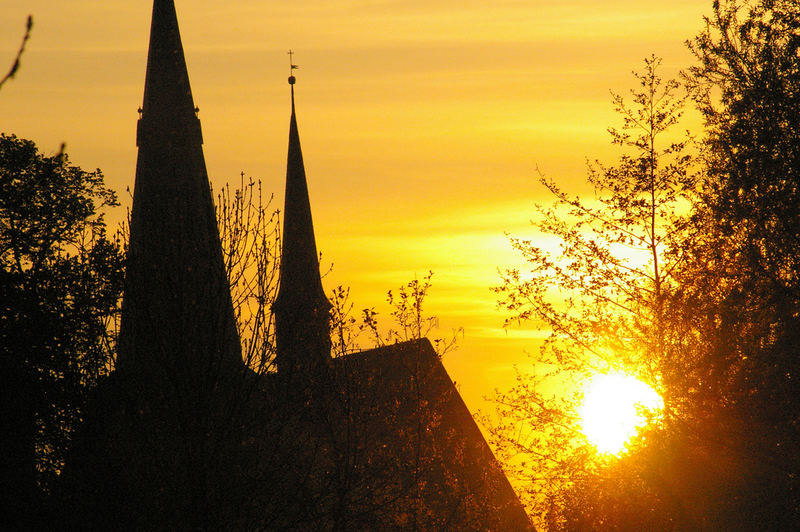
<point x="462" y="484"/>
<point x="385" y="442"/>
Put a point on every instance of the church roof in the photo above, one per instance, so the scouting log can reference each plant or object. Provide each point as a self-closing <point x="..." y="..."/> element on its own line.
<point x="168" y="106"/>
<point x="300" y="277"/>
<point x="377" y="440"/>
<point x="301" y="309"/>
<point x="462" y="483"/>
<point x="389" y="425"/>
<point x="177" y="312"/>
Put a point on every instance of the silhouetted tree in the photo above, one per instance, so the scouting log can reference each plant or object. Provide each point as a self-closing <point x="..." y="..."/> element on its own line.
<point x="735" y="374"/>
<point x="250" y="236"/>
<point x="408" y="320"/>
<point x="60" y="283"/>
<point x="601" y="298"/>
<point x="726" y="456"/>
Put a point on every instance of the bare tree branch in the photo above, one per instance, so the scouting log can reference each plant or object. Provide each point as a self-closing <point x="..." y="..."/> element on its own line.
<point x="15" y="66"/>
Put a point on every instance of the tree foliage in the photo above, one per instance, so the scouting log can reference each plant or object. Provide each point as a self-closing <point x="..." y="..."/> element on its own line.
<point x="408" y="320"/>
<point x="719" y="327"/>
<point x="601" y="296"/>
<point x="746" y="276"/>
<point x="250" y="236"/>
<point x="740" y="294"/>
<point x="60" y="284"/>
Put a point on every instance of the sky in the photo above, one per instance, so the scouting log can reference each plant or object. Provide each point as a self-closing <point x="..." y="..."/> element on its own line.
<point x="423" y="123"/>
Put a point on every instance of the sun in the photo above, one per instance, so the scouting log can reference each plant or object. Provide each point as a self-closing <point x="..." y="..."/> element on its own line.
<point x="614" y="408"/>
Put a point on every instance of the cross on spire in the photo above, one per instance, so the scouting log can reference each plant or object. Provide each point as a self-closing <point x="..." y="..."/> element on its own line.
<point x="292" y="66"/>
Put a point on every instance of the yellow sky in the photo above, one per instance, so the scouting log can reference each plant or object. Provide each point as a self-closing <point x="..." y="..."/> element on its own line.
<point x="422" y="122"/>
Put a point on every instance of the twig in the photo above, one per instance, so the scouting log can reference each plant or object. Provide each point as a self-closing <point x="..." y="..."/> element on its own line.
<point x="15" y="66"/>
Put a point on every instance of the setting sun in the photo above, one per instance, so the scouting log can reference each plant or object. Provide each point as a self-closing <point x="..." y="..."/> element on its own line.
<point x="613" y="408"/>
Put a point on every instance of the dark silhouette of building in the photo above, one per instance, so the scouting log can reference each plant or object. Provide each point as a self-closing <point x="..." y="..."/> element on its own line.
<point x="175" y="278"/>
<point x="301" y="309"/>
<point x="396" y="447"/>
<point x="183" y="435"/>
<point x="159" y="440"/>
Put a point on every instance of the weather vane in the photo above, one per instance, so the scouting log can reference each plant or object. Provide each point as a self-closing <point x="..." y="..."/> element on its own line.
<point x="292" y="67"/>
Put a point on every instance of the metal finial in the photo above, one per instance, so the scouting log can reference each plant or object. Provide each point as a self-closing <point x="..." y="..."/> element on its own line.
<point x="292" y="68"/>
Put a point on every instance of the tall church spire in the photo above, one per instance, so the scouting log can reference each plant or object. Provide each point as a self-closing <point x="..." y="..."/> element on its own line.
<point x="177" y="319"/>
<point x="168" y="111"/>
<point x="301" y="308"/>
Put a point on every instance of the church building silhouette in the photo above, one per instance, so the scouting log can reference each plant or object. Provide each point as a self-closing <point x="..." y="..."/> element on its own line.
<point x="183" y="435"/>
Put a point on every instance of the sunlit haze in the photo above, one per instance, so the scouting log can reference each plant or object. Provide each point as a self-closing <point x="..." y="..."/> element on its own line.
<point x="614" y="407"/>
<point x="422" y="123"/>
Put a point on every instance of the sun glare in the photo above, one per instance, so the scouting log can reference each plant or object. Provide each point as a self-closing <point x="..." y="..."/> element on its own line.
<point x="614" y="408"/>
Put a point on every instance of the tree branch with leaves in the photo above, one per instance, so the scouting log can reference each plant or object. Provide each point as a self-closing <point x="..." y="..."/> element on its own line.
<point x="599" y="299"/>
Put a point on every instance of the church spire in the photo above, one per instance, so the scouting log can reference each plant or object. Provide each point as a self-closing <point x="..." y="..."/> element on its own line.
<point x="301" y="308"/>
<point x="168" y="109"/>
<point x="177" y="319"/>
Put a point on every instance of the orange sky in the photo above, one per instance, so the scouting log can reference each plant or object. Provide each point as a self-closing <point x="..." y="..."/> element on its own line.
<point x="422" y="122"/>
